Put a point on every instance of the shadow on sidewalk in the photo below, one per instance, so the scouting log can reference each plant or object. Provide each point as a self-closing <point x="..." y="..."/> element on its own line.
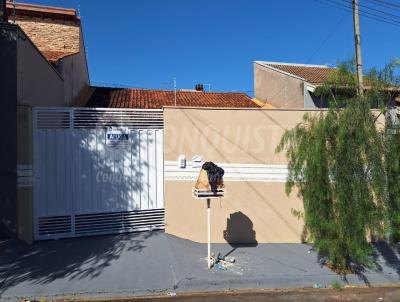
<point x="390" y="254"/>
<point x="390" y="258"/>
<point x="239" y="232"/>
<point x="69" y="259"/>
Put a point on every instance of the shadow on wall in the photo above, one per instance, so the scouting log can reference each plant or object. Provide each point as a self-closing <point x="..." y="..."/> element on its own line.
<point x="239" y="230"/>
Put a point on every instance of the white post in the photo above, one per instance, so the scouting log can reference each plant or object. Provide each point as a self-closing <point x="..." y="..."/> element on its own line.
<point x="208" y="233"/>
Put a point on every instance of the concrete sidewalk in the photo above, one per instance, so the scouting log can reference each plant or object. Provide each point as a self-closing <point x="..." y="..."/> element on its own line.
<point x="154" y="262"/>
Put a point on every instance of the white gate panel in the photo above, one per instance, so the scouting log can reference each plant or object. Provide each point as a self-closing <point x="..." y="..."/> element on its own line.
<point x="159" y="139"/>
<point x="143" y="169"/>
<point x="83" y="186"/>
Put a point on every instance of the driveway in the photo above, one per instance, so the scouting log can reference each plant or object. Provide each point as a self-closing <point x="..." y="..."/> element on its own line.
<point x="155" y="262"/>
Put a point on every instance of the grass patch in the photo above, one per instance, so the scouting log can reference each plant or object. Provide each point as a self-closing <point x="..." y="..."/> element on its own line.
<point x="337" y="286"/>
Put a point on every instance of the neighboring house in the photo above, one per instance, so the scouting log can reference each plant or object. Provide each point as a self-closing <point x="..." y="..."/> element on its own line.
<point x="43" y="63"/>
<point x="50" y="55"/>
<point x="156" y="99"/>
<point x="287" y="85"/>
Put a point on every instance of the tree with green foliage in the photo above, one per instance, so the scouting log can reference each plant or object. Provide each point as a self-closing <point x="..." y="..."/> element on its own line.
<point x="336" y="160"/>
<point x="393" y="176"/>
<point x="386" y="84"/>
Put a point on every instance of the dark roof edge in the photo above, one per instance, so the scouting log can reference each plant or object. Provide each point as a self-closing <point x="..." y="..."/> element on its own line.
<point x="27" y="9"/>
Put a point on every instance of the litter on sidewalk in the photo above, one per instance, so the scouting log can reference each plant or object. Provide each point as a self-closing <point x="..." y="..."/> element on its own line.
<point x="221" y="262"/>
<point x="317" y="285"/>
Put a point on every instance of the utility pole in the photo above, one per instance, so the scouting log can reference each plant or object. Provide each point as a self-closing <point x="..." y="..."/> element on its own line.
<point x="357" y="40"/>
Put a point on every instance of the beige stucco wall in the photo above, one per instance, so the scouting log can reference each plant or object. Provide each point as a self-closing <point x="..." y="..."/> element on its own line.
<point x="277" y="88"/>
<point x="251" y="212"/>
<point x="255" y="210"/>
<point x="38" y="84"/>
<point x="24" y="165"/>
<point x="228" y="136"/>
<point x="76" y="76"/>
<point x="41" y="84"/>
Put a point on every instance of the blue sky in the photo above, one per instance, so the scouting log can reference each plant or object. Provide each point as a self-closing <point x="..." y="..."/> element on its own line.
<point x="145" y="43"/>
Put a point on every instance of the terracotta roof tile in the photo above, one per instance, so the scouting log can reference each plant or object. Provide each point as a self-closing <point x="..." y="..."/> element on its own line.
<point x="54" y="31"/>
<point x="157" y="99"/>
<point x="53" y="55"/>
<point x="314" y="74"/>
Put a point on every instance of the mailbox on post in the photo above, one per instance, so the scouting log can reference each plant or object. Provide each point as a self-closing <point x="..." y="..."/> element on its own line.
<point x="209" y="185"/>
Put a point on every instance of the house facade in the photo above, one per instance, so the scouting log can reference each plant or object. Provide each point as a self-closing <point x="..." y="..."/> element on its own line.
<point x="44" y="83"/>
<point x="82" y="160"/>
<point x="43" y="64"/>
<point x="287" y="85"/>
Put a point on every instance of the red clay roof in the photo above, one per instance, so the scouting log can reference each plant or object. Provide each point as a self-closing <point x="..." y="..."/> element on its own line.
<point x="157" y="99"/>
<point x="55" y="31"/>
<point x="25" y="9"/>
<point x="53" y="56"/>
<point x="314" y="74"/>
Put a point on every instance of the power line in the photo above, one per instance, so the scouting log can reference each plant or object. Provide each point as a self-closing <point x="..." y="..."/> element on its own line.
<point x="386" y="4"/>
<point x="318" y="49"/>
<point x="347" y="9"/>
<point x="326" y="39"/>
<point x="376" y="10"/>
<point x="349" y="6"/>
<point x="382" y="5"/>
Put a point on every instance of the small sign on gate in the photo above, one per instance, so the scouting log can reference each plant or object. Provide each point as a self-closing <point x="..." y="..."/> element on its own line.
<point x="117" y="136"/>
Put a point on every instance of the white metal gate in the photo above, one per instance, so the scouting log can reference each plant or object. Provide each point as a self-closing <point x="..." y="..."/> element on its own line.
<point x="83" y="185"/>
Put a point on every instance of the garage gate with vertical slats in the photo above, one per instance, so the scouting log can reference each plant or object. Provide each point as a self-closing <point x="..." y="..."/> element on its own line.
<point x="84" y="186"/>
